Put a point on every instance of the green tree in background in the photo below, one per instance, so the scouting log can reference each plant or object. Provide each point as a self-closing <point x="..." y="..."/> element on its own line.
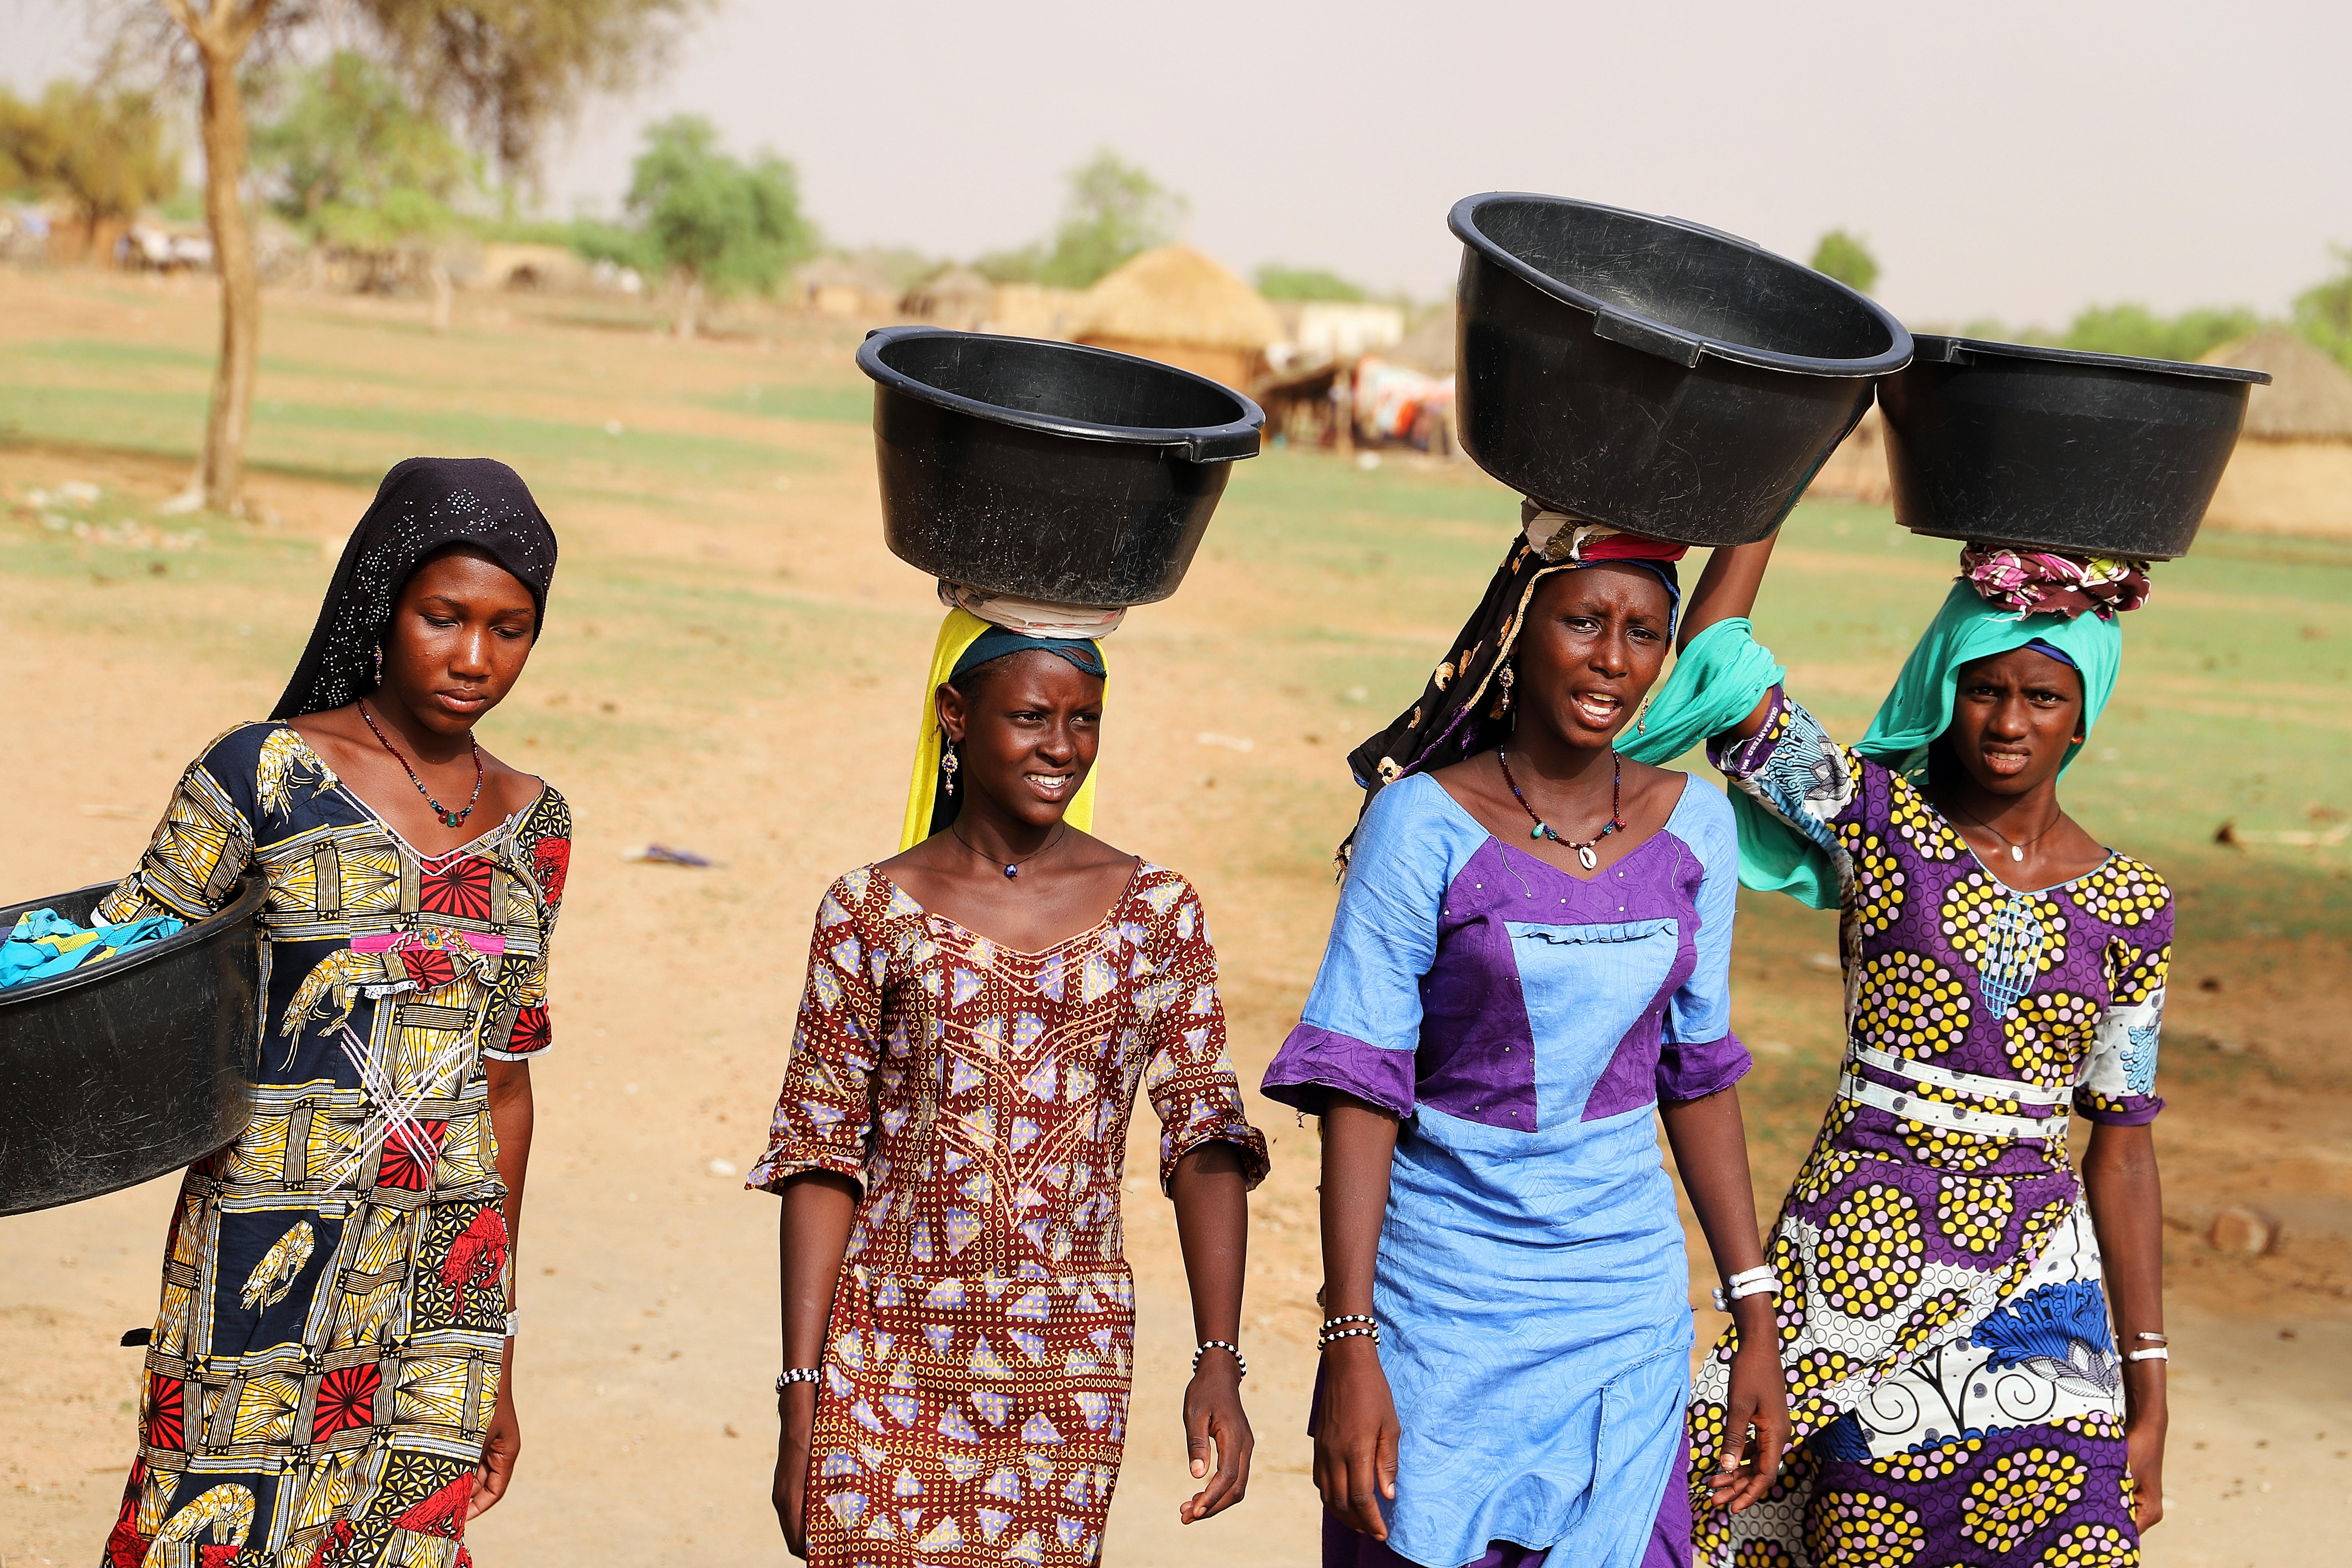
<point x="1116" y="210"/>
<point x="352" y="162"/>
<point x="2136" y="330"/>
<point x="2322" y="313"/>
<point x="507" y="70"/>
<point x="1276" y="281"/>
<point x="104" y="152"/>
<point x="1845" y="257"/>
<point x="722" y="226"/>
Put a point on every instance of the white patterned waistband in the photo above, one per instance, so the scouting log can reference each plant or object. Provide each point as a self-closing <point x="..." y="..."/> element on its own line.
<point x="1853" y="1086"/>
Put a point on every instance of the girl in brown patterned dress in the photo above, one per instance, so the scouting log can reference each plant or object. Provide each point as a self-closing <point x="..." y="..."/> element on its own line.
<point x="958" y="1314"/>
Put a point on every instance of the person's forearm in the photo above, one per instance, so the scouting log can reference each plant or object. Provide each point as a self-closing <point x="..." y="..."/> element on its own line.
<point x="511" y="1115"/>
<point x="812" y="1235"/>
<point x="1710" y="1145"/>
<point x="1212" y="1195"/>
<point x="2126" y="1201"/>
<point x="1359" y="1145"/>
<point x="1726" y="588"/>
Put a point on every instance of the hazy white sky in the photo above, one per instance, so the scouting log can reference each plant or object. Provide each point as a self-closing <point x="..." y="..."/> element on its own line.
<point x="2011" y="158"/>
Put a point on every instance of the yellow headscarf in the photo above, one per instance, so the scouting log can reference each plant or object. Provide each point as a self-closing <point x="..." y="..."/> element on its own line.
<point x="957" y="632"/>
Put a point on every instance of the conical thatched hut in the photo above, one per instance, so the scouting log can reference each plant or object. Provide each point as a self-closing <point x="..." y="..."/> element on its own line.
<point x="1179" y="306"/>
<point x="958" y="297"/>
<point x="2291" y="472"/>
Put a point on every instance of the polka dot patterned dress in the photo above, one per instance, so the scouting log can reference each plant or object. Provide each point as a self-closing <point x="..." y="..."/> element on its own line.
<point x="978" y="1357"/>
<point x="1952" y="1369"/>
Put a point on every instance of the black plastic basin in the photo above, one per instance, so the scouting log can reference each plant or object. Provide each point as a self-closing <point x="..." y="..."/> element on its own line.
<point x="1045" y="470"/>
<point x="1651" y="374"/>
<point x="130" y="1068"/>
<point x="2088" y="454"/>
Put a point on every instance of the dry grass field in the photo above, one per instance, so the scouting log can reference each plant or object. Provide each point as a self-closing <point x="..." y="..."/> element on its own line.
<point x="731" y="664"/>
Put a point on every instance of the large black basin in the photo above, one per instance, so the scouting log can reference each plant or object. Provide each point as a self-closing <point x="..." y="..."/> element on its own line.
<point x="1045" y="470"/>
<point x="1652" y="373"/>
<point x="2087" y="454"/>
<point x="134" y="1067"/>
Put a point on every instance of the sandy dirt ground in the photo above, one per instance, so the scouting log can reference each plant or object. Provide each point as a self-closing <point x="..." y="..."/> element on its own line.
<point x="730" y="665"/>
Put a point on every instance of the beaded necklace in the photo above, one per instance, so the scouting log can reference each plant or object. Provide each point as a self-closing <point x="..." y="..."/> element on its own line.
<point x="1542" y="829"/>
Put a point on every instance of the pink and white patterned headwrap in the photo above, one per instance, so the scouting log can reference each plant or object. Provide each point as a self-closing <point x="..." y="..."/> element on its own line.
<point x="2042" y="583"/>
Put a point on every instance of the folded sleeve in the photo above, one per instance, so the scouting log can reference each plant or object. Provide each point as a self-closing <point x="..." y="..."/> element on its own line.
<point x="1698" y="1054"/>
<point x="1190" y="1079"/>
<point x="542" y="854"/>
<point x="825" y="1115"/>
<point x="2118" y="1082"/>
<point x="1361" y="1025"/>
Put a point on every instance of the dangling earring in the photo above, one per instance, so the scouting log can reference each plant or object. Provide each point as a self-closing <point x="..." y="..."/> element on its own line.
<point x="948" y="763"/>
<point x="379" y="664"/>
<point x="1505" y="678"/>
<point x="1642" y="719"/>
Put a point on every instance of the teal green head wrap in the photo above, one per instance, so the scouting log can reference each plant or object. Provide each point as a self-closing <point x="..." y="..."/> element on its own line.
<point x="1719" y="680"/>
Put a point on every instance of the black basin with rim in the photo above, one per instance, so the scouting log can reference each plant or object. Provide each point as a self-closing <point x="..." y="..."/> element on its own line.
<point x="1652" y="373"/>
<point x="2056" y="449"/>
<point x="133" y="1067"/>
<point x="1045" y="470"/>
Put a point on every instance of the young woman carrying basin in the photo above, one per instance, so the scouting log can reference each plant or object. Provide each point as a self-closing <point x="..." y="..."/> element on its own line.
<point x="1972" y="1334"/>
<point x="959" y="1320"/>
<point x="1529" y="958"/>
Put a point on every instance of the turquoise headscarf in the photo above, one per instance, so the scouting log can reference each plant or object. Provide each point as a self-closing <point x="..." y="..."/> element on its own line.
<point x="1724" y="673"/>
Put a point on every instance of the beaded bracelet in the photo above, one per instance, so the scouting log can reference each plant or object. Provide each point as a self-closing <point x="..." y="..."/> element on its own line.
<point x="1330" y="1337"/>
<point x="1329" y="1323"/>
<point x="1206" y="1345"/>
<point x="797" y="1375"/>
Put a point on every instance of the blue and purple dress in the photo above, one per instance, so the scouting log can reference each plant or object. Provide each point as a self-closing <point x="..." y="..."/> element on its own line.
<point x="1531" y="1288"/>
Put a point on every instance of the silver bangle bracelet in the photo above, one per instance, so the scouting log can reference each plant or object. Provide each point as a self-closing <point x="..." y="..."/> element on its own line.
<point x="2158" y="1354"/>
<point x="797" y="1375"/>
<point x="514" y="1323"/>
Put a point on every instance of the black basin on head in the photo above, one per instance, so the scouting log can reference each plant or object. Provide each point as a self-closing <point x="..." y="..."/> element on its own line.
<point x="133" y="1067"/>
<point x="2088" y="454"/>
<point x="1652" y="373"/>
<point x="1047" y="470"/>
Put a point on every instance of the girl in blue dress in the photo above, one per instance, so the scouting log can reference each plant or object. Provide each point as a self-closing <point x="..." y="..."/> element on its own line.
<point x="1530" y="956"/>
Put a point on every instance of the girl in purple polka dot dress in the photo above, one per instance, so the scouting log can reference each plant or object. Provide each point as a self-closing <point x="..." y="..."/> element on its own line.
<point x="1972" y="1333"/>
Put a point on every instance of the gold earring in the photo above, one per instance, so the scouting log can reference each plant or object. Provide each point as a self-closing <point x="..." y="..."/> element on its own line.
<point x="1505" y="678"/>
<point x="948" y="763"/>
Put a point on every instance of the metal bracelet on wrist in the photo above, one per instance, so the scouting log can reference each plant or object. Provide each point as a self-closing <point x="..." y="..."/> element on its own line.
<point x="1206" y="1345"/>
<point x="797" y="1375"/>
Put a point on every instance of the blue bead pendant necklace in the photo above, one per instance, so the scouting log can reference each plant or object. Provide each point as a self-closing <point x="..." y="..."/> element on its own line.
<point x="1584" y="850"/>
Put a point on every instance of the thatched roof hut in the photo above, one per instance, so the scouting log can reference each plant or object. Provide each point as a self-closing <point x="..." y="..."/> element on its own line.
<point x="1181" y="307"/>
<point x="958" y="297"/>
<point x="2309" y="397"/>
<point x="2291" y="472"/>
<point x="1429" y="347"/>
<point x="853" y="291"/>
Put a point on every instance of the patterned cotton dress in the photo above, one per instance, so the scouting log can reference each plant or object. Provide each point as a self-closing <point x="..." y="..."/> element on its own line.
<point x="978" y="1351"/>
<point x="327" y="1357"/>
<point x="1952" y="1372"/>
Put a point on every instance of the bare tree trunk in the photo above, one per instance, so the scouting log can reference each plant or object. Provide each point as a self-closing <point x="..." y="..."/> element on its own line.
<point x="686" y="323"/>
<point x="437" y="267"/>
<point x="221" y="35"/>
<point x="226" y="425"/>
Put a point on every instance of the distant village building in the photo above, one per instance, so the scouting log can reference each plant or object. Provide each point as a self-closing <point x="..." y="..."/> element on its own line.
<point x="847" y="291"/>
<point x="957" y="298"/>
<point x="533" y="268"/>
<point x="1033" y="311"/>
<point x="1318" y="330"/>
<point x="1857" y="469"/>
<point x="2291" y="472"/>
<point x="1181" y="307"/>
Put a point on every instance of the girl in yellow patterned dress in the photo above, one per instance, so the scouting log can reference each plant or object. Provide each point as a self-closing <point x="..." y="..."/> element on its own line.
<point x="328" y="1380"/>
